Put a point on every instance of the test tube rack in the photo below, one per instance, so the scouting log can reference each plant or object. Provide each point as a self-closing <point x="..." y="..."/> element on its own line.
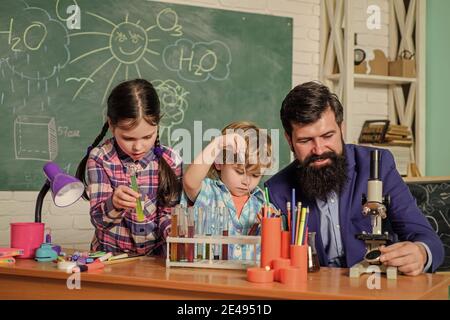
<point x="214" y="240"/>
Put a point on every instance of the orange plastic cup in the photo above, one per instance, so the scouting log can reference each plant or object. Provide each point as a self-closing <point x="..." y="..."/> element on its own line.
<point x="293" y="275"/>
<point x="260" y="275"/>
<point x="270" y="241"/>
<point x="299" y="256"/>
<point x="278" y="264"/>
<point x="285" y="243"/>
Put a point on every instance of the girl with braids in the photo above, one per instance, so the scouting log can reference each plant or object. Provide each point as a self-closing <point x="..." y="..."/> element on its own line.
<point x="133" y="116"/>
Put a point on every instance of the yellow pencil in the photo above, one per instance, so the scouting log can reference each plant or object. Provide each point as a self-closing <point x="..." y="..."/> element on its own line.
<point x="302" y="226"/>
<point x="119" y="256"/>
<point x="297" y="226"/>
<point x="122" y="260"/>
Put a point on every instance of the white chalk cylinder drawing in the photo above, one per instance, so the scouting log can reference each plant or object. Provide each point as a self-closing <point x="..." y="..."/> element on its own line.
<point x="35" y="138"/>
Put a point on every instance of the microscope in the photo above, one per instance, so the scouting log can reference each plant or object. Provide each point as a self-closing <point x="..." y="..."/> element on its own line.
<point x="374" y="205"/>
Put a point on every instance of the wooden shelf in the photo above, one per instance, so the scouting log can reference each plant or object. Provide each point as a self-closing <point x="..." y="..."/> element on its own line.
<point x="374" y="79"/>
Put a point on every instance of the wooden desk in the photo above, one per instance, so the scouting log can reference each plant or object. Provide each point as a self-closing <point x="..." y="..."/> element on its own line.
<point x="149" y="279"/>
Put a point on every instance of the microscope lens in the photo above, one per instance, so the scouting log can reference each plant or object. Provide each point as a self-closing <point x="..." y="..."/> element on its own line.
<point x="373" y="254"/>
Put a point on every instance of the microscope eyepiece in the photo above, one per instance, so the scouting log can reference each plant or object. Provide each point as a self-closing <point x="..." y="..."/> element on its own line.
<point x="375" y="157"/>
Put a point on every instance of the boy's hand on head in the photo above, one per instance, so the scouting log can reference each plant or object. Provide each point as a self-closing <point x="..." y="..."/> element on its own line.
<point x="409" y="257"/>
<point x="233" y="141"/>
<point x="124" y="197"/>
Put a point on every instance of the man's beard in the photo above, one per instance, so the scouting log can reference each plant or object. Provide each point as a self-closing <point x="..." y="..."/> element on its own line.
<point x="318" y="182"/>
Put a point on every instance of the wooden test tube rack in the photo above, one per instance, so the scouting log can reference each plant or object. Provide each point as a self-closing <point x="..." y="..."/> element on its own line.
<point x="215" y="240"/>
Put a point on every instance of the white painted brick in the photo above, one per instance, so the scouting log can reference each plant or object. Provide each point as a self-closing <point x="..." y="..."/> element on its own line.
<point x="359" y="5"/>
<point x="70" y="236"/>
<point x="316" y="10"/>
<point x="4" y="222"/>
<point x="300" y="33"/>
<point x="306" y="21"/>
<point x="247" y="4"/>
<point x="6" y="195"/>
<point x="297" y="80"/>
<point x="14" y="208"/>
<point x="373" y="40"/>
<point x="377" y="97"/>
<point x="28" y="218"/>
<point x="304" y="69"/>
<point x="309" y="1"/>
<point x="302" y="57"/>
<point x="290" y="6"/>
<point x="82" y="222"/>
<point x="81" y="207"/>
<point x="203" y="3"/>
<point x="306" y="46"/>
<point x="314" y="34"/>
<point x="4" y="238"/>
<point x="27" y="195"/>
<point x="63" y="222"/>
<point x="378" y="109"/>
<point x="359" y="95"/>
<point x="81" y="246"/>
<point x="316" y="58"/>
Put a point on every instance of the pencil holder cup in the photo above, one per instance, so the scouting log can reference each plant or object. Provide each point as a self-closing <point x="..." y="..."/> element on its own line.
<point x="285" y="243"/>
<point x="278" y="264"/>
<point x="299" y="256"/>
<point x="270" y="241"/>
<point x="293" y="275"/>
<point x="27" y="236"/>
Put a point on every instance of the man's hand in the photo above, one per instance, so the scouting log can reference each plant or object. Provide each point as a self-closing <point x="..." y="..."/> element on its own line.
<point x="409" y="257"/>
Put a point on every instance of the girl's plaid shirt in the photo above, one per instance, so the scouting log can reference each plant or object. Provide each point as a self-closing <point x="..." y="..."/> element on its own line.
<point x="119" y="230"/>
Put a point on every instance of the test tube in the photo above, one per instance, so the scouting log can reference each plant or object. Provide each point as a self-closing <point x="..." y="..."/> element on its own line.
<point x="208" y="218"/>
<point x="173" y="233"/>
<point x="225" y="215"/>
<point x="200" y="226"/>
<point x="181" y="233"/>
<point x="190" y="234"/>
<point x="216" y="231"/>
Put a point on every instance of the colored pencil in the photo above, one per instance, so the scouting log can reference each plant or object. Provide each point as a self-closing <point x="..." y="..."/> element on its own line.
<point x="298" y="219"/>
<point x="288" y="208"/>
<point x="293" y="217"/>
<point x="302" y="226"/>
<point x="305" y="233"/>
<point x="266" y="190"/>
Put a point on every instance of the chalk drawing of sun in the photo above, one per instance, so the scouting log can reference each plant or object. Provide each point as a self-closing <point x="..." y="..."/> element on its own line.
<point x="129" y="45"/>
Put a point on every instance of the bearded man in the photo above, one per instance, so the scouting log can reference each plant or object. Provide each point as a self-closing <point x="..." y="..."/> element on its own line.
<point x="330" y="177"/>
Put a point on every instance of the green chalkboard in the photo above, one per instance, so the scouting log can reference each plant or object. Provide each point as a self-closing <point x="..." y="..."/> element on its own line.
<point x="60" y="59"/>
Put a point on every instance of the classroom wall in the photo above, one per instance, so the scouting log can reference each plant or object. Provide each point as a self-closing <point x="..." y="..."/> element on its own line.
<point x="438" y="71"/>
<point x="71" y="226"/>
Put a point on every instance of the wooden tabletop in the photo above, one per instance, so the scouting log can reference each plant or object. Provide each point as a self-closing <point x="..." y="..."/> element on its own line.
<point x="148" y="278"/>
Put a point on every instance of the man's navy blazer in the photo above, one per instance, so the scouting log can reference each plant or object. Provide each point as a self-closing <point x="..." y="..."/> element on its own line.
<point x="407" y="221"/>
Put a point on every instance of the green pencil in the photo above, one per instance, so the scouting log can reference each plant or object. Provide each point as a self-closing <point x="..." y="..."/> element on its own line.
<point x="267" y="195"/>
<point x="134" y="186"/>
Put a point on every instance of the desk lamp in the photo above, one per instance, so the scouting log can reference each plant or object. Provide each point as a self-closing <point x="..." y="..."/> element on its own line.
<point x="66" y="189"/>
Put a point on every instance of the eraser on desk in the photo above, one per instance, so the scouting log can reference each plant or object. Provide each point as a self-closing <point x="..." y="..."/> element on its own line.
<point x="89" y="267"/>
<point x="260" y="275"/>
